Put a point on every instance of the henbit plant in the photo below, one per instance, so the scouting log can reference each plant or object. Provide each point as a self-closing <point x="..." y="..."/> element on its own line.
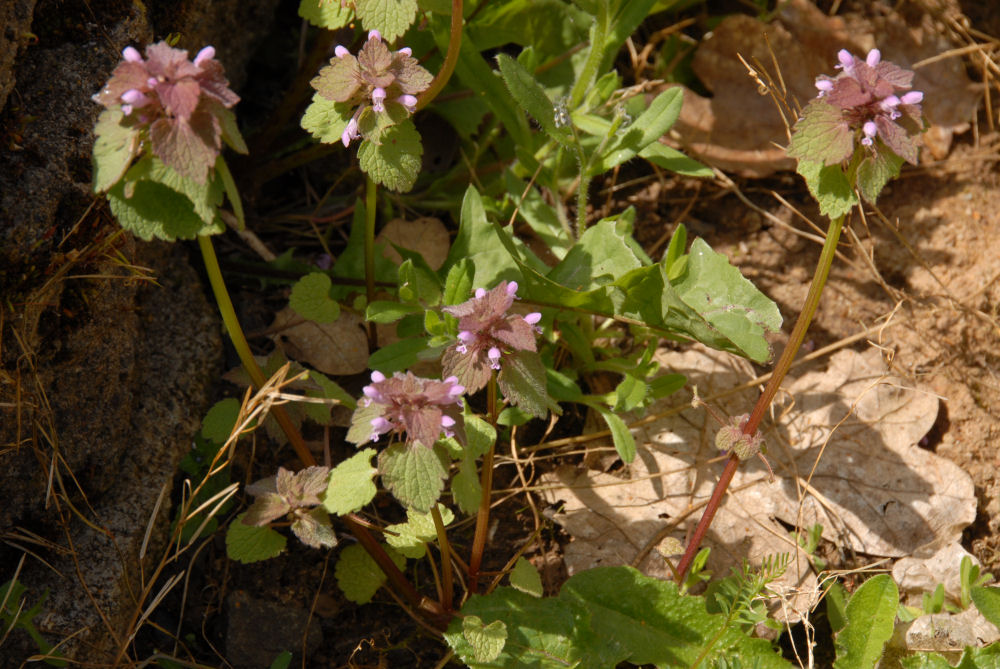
<point x="466" y="314"/>
<point x="853" y="137"/>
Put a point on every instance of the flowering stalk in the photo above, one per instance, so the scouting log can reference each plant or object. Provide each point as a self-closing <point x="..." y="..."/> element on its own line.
<point x="853" y="136"/>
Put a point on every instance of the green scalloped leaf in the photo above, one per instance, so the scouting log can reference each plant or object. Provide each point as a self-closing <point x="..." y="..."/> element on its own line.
<point x="351" y="484"/>
<point x="115" y="147"/>
<point x="410" y="538"/>
<point x="414" y="474"/>
<point x="829" y="186"/>
<point x="392" y="18"/>
<point x="522" y="382"/>
<point x="220" y="420"/>
<point x="325" y="13"/>
<point x="311" y="299"/>
<point x="325" y="119"/>
<point x="250" y="543"/>
<point x="359" y="576"/>
<point x="487" y="641"/>
<point x="821" y="135"/>
<point x="155" y="210"/>
<point x="395" y="161"/>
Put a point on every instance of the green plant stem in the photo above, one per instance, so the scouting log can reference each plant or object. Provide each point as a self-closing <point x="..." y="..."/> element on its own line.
<point x="450" y="59"/>
<point x="486" y="482"/>
<point x="370" y="193"/>
<point x="239" y="340"/>
<point x="581" y="204"/>
<point x="447" y="594"/>
<point x="256" y="374"/>
<point x="767" y="395"/>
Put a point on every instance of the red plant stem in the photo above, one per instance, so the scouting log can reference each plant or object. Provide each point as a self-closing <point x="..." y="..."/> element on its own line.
<point x="486" y="482"/>
<point x="770" y="390"/>
<point x="450" y="59"/>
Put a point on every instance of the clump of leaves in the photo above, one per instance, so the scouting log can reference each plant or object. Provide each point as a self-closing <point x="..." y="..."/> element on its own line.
<point x="296" y="495"/>
<point x="371" y="97"/>
<point x="181" y="107"/>
<point x="867" y="116"/>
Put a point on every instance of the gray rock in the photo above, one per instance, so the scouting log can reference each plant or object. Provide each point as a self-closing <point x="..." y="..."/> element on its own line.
<point x="260" y="629"/>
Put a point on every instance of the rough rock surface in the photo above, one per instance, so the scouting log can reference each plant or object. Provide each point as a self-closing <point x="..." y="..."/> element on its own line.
<point x="102" y="374"/>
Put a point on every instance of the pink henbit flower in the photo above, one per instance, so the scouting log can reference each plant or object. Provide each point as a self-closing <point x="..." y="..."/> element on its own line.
<point x="179" y="103"/>
<point x="422" y="408"/>
<point x="377" y="81"/>
<point x="875" y="102"/>
<point x="486" y="333"/>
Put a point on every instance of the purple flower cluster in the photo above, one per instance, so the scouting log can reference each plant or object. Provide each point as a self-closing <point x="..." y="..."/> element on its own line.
<point x="487" y="332"/>
<point x="377" y="80"/>
<point x="875" y="102"/>
<point x="423" y="408"/>
<point x="182" y="104"/>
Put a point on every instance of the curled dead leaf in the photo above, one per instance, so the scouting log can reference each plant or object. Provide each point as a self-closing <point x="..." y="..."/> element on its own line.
<point x="335" y="348"/>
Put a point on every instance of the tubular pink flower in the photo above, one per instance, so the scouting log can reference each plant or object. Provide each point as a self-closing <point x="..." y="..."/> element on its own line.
<point x="824" y="86"/>
<point x="408" y="101"/>
<point x="912" y="98"/>
<point x="131" y="54"/>
<point x="494" y="356"/>
<point x="350" y="132"/>
<point x="341" y="52"/>
<point x="480" y="293"/>
<point x="135" y="97"/>
<point x="533" y="318"/>
<point x="374" y="34"/>
<point x="873" y="57"/>
<point x="378" y="98"/>
<point x="207" y="53"/>
<point x="846" y="60"/>
<point x="406" y="50"/>
<point x="870" y="130"/>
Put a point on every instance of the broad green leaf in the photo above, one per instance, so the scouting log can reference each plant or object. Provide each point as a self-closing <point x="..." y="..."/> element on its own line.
<point x="672" y="259"/>
<point x="727" y="301"/>
<point x="532" y="98"/>
<point x="620" y="434"/>
<point x="114" y="149"/>
<point x="487" y="641"/>
<point x="418" y="283"/>
<point x="250" y="543"/>
<point x="458" y="284"/>
<point x="829" y="186"/>
<point x="605" y="252"/>
<point x="397" y="356"/>
<point x="665" y="385"/>
<point x="325" y="119"/>
<point x="395" y="162"/>
<point x="630" y="392"/>
<point x="231" y="131"/>
<point x="657" y="625"/>
<point x="987" y="600"/>
<point x="325" y="13"/>
<point x="871" y="613"/>
<point x="351" y="484"/>
<point x="359" y="576"/>
<point x="384" y="311"/>
<point x="540" y="216"/>
<point x="875" y="172"/>
<point x="836" y="606"/>
<point x="522" y="382"/>
<point x="414" y="474"/>
<point x="648" y="128"/>
<point x="392" y="18"/>
<point x="311" y="299"/>
<point x="525" y="577"/>
<point x="542" y="633"/>
<point x="220" y="420"/>
<point x="551" y="26"/>
<point x="477" y="242"/>
<point x="282" y="661"/>
<point x="410" y="538"/>
<point x="153" y="210"/>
